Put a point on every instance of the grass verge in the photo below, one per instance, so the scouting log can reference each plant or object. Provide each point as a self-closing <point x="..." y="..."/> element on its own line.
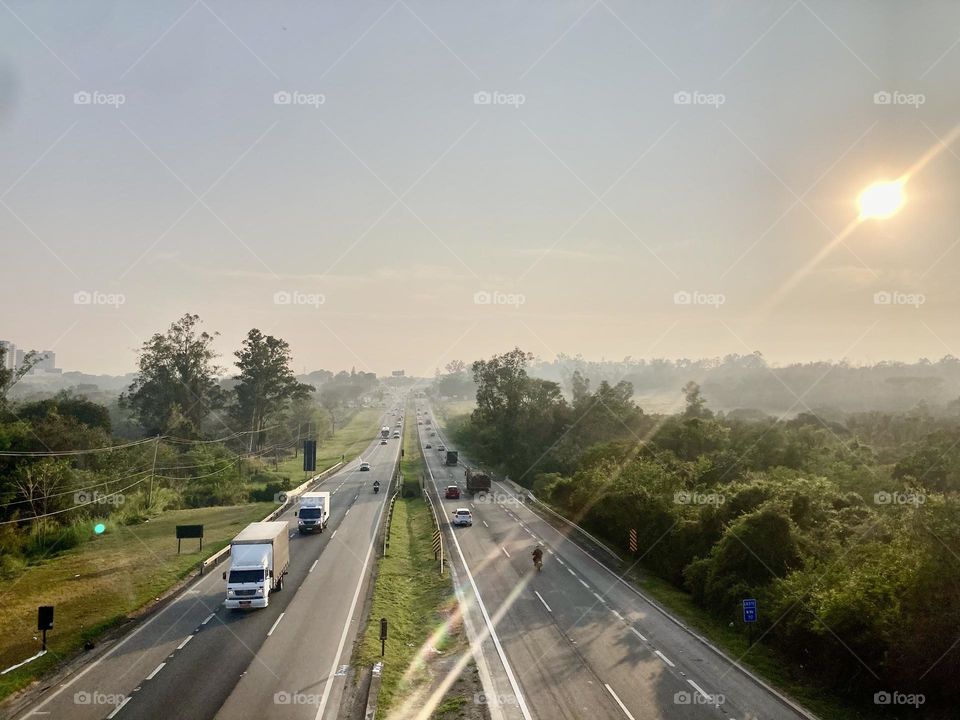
<point x="349" y="440"/>
<point x="409" y="592"/>
<point x="99" y="584"/>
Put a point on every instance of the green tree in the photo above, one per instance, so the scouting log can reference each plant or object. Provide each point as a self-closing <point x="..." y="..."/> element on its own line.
<point x="176" y="387"/>
<point x="266" y="385"/>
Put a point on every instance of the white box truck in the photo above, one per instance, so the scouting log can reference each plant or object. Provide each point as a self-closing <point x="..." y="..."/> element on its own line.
<point x="314" y="511"/>
<point x="385" y="432"/>
<point x="259" y="558"/>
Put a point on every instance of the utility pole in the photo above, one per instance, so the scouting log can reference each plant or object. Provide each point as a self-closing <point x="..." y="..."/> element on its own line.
<point x="153" y="471"/>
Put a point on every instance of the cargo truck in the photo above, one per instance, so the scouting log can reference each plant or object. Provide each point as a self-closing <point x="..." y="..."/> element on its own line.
<point x="259" y="558"/>
<point x="314" y="512"/>
<point x="477" y="481"/>
<point x="452" y="457"/>
<point x="384" y="432"/>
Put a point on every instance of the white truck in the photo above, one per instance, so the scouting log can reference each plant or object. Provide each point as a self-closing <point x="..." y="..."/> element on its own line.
<point x="259" y="558"/>
<point x="314" y="511"/>
<point x="385" y="432"/>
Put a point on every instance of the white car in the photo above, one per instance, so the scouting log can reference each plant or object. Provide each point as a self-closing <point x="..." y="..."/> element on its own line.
<point x="396" y="433"/>
<point x="364" y="466"/>
<point x="462" y="516"/>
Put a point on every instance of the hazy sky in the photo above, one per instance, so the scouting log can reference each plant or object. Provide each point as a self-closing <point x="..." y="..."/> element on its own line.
<point x="386" y="194"/>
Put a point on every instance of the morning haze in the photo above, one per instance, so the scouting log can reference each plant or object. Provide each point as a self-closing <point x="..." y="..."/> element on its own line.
<point x="397" y="185"/>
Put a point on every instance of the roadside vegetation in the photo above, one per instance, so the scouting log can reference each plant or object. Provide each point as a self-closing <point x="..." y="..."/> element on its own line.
<point x="843" y="531"/>
<point x="419" y="604"/>
<point x="195" y="448"/>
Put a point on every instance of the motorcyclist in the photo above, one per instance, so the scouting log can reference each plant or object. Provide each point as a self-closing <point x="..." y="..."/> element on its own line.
<point x="538" y="556"/>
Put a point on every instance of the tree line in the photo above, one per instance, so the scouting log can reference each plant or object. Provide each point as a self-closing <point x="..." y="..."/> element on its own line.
<point x="847" y="533"/>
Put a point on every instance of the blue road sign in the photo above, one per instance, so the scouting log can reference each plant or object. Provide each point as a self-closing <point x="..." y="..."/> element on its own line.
<point x="750" y="611"/>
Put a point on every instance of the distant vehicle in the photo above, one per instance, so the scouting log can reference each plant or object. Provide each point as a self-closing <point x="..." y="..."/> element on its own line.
<point x="399" y="423"/>
<point x="428" y="446"/>
<point x="396" y="433"/>
<point x="452" y="457"/>
<point x="441" y="448"/>
<point x="428" y="421"/>
<point x="383" y="442"/>
<point x="477" y="481"/>
<point x="314" y="512"/>
<point x="432" y="434"/>
<point x="453" y="492"/>
<point x="364" y="466"/>
<point x="462" y="516"/>
<point x="259" y="558"/>
<point x="419" y="422"/>
<point x="384" y="432"/>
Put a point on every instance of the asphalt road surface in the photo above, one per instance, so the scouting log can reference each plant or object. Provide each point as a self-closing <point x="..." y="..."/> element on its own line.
<point x="577" y="642"/>
<point x="195" y="659"/>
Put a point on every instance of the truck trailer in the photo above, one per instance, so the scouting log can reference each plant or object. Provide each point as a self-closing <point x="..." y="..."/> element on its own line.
<point x="259" y="558"/>
<point x="314" y="512"/>
<point x="477" y="481"/>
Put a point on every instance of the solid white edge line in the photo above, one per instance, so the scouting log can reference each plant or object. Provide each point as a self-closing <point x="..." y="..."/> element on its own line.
<point x="187" y="639"/>
<point x="664" y="658"/>
<point x="334" y="532"/>
<point x="619" y="702"/>
<point x="700" y="690"/>
<point x="328" y="685"/>
<point x="274" y="626"/>
<point x="504" y="551"/>
<point x="119" y="707"/>
<point x="157" y="669"/>
<point x="637" y="633"/>
<point x="543" y="601"/>
<point x="518" y="694"/>
<point x="785" y="699"/>
<point x="314" y="565"/>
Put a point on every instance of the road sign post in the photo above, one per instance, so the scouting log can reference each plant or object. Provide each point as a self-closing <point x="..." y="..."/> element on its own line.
<point x="45" y="621"/>
<point x="189" y="531"/>
<point x="383" y="636"/>
<point x="750" y="616"/>
<point x="633" y="541"/>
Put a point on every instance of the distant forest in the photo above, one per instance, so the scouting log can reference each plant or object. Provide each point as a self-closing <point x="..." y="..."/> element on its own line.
<point x="749" y="382"/>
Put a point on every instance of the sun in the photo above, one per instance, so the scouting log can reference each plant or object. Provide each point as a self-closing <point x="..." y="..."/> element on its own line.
<point x="881" y="200"/>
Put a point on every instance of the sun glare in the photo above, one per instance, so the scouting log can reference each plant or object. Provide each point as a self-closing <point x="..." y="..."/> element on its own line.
<point x="881" y="200"/>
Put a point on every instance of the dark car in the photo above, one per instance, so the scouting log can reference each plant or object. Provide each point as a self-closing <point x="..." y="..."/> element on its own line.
<point x="453" y="492"/>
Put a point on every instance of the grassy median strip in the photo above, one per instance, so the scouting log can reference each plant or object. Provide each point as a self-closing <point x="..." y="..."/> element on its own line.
<point x="100" y="583"/>
<point x="409" y="592"/>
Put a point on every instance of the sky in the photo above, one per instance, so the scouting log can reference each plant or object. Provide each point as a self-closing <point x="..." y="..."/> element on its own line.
<point x="399" y="184"/>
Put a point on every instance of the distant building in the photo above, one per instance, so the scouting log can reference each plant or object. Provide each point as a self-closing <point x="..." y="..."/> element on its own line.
<point x="47" y="361"/>
<point x="21" y="356"/>
<point x="398" y="373"/>
<point x="8" y="355"/>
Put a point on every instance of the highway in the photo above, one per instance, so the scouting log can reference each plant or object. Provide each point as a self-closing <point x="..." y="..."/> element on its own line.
<point x="576" y="640"/>
<point x="194" y="659"/>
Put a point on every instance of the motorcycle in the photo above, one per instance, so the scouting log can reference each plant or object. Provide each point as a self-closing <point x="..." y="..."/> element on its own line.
<point x="376" y="488"/>
<point x="538" y="563"/>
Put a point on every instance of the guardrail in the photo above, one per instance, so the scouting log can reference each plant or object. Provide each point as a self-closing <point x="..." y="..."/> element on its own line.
<point x="291" y="496"/>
